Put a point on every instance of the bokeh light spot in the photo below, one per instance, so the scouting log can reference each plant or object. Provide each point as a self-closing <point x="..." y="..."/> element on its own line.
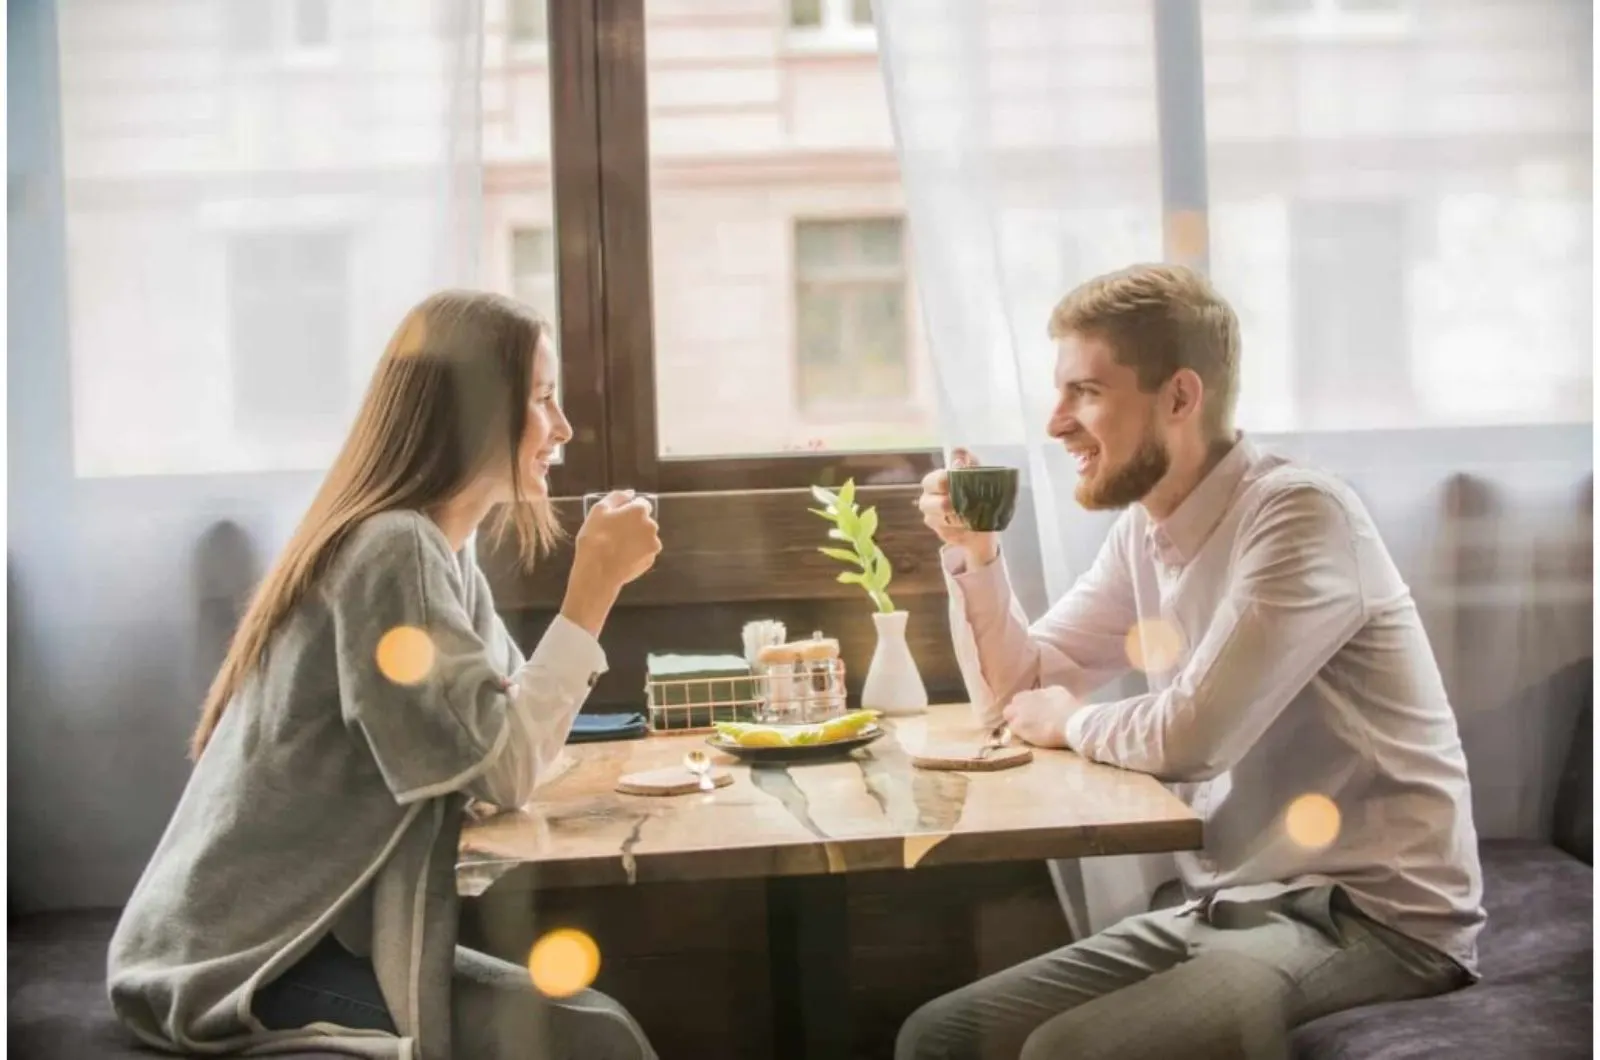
<point x="1154" y="645"/>
<point x="405" y="655"/>
<point x="563" y="962"/>
<point x="1312" y="821"/>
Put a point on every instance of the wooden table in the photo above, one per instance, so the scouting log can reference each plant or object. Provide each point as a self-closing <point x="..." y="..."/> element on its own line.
<point x="804" y="828"/>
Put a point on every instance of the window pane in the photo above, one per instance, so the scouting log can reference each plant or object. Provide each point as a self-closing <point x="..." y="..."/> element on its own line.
<point x="288" y="329"/>
<point x="805" y="13"/>
<point x="244" y="234"/>
<point x="246" y="26"/>
<point x="312" y="23"/>
<point x="529" y="20"/>
<point x="861" y="12"/>
<point x="519" y="198"/>
<point x="784" y="310"/>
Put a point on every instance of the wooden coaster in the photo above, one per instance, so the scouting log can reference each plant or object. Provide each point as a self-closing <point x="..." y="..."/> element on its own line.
<point x="964" y="758"/>
<point x="674" y="780"/>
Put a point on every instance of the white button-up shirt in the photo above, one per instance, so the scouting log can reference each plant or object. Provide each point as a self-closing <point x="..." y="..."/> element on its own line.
<point x="1285" y="658"/>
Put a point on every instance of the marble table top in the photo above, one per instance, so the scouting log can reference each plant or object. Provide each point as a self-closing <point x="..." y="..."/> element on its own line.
<point x="870" y="811"/>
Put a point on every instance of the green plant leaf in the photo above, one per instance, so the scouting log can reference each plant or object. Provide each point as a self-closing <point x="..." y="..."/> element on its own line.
<point x="885" y="605"/>
<point x="840" y="535"/>
<point x="847" y="493"/>
<point x="882" y="569"/>
<point x="843" y="556"/>
<point x="850" y="523"/>
<point x="827" y="498"/>
<point x="865" y="527"/>
<point x="826" y="515"/>
<point x="850" y="577"/>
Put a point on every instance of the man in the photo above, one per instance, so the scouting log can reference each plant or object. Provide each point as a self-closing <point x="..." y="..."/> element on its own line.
<point x="1294" y="704"/>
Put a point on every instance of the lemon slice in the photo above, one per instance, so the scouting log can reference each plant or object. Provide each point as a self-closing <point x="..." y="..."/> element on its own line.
<point x="847" y="725"/>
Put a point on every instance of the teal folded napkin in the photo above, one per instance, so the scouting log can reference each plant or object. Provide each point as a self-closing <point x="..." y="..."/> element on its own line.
<point x="588" y="728"/>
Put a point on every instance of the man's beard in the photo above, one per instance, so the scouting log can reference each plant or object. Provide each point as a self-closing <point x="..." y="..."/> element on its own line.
<point x="1119" y="487"/>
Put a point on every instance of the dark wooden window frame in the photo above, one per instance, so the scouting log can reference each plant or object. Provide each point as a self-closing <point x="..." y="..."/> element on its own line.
<point x="598" y="73"/>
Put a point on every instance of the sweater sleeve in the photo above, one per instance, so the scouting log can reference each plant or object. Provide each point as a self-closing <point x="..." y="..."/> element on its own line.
<point x="420" y="686"/>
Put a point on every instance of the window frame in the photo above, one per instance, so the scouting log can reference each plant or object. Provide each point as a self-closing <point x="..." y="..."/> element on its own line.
<point x="600" y="126"/>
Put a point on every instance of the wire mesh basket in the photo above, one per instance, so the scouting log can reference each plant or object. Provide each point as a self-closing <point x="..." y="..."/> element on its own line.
<point x="784" y="693"/>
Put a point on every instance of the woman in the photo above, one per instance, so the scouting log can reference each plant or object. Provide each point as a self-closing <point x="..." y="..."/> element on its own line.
<point x="304" y="892"/>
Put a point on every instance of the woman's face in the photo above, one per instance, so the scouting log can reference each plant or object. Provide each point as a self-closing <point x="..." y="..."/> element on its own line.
<point x="547" y="426"/>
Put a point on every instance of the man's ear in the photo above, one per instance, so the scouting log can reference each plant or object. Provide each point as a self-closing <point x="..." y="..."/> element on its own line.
<point x="1185" y="392"/>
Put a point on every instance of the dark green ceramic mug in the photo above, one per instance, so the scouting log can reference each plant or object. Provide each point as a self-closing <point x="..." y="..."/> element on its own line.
<point x="984" y="497"/>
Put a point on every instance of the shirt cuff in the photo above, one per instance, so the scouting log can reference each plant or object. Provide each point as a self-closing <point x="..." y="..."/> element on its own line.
<point x="568" y="655"/>
<point x="1075" y="726"/>
<point x="985" y="591"/>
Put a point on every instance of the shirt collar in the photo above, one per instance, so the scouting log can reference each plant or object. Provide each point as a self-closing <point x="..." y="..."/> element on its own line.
<point x="1178" y="538"/>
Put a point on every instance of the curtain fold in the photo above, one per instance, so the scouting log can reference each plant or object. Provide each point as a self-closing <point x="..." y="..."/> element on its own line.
<point x="1397" y="203"/>
<point x="218" y="214"/>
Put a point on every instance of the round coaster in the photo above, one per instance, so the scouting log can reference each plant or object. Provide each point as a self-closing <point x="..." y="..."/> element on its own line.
<point x="674" y="780"/>
<point x="964" y="758"/>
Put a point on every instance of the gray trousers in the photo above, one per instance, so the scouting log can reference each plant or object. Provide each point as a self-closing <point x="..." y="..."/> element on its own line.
<point x="1224" y="982"/>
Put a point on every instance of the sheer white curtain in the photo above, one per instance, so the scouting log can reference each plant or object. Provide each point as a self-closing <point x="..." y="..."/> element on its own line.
<point x="1396" y="197"/>
<point x="218" y="213"/>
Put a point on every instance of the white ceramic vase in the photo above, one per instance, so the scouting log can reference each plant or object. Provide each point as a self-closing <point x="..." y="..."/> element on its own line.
<point x="893" y="684"/>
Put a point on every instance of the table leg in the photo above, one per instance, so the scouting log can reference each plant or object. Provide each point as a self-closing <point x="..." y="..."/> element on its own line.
<point x="808" y="941"/>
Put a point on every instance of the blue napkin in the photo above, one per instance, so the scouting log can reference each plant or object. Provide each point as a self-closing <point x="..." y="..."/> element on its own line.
<point x="588" y="728"/>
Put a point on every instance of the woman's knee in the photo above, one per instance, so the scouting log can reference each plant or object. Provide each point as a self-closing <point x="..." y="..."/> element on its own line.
<point x="594" y="1025"/>
<point x="933" y="1032"/>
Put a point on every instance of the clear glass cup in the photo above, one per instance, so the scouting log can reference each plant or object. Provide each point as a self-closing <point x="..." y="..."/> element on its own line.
<point x="591" y="499"/>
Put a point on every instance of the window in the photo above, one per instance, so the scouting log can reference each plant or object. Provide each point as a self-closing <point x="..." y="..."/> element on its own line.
<point x="529" y="21"/>
<point x="282" y="27"/>
<point x="247" y="26"/>
<point x="289" y="338"/>
<point x="533" y="269"/>
<point x="1350" y="332"/>
<point x="313" y="24"/>
<point x="835" y="15"/>
<point x="850" y="316"/>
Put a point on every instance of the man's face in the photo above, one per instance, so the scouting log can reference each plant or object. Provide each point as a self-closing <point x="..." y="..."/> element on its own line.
<point x="1107" y="423"/>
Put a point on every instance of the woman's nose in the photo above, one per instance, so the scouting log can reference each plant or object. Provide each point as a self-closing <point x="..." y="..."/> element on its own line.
<point x="563" y="431"/>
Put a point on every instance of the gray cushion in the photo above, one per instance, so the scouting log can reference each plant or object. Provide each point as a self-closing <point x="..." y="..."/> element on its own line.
<point x="1535" y="1001"/>
<point x="56" y="989"/>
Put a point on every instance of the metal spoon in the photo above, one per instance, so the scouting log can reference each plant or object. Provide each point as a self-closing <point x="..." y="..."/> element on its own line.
<point x="999" y="736"/>
<point x="699" y="763"/>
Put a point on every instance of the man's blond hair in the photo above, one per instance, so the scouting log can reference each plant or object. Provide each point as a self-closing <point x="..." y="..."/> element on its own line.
<point x="1159" y="319"/>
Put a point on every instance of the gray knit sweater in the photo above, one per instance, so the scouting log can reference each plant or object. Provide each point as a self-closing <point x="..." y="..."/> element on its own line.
<point x="331" y="796"/>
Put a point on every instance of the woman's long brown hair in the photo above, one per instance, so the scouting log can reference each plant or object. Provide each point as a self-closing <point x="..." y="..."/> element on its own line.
<point x="448" y="400"/>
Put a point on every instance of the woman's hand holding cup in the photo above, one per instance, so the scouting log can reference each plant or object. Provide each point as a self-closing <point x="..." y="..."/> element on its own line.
<point x="618" y="543"/>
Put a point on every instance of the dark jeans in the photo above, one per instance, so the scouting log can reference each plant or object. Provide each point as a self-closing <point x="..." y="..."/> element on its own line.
<point x="328" y="985"/>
